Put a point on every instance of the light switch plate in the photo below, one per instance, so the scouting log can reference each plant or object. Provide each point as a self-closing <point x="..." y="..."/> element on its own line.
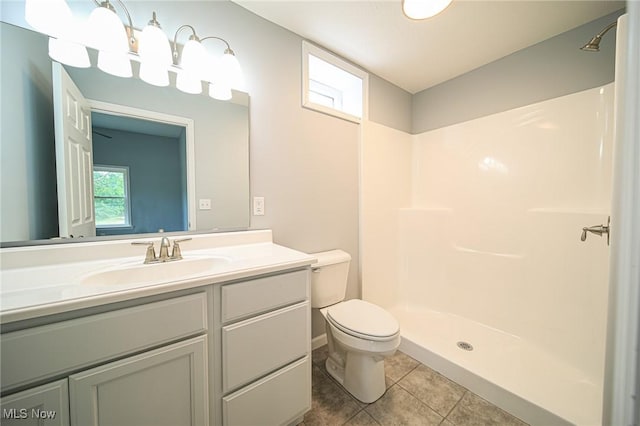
<point x="258" y="206"/>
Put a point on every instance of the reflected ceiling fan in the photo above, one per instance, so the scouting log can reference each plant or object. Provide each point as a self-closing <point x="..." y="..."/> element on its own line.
<point x="101" y="134"/>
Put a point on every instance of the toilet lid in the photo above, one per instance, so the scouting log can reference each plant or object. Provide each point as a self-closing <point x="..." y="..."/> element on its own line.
<point x="363" y="318"/>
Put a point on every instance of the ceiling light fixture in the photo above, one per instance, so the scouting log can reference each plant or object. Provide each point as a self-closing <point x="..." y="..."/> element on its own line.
<point x="117" y="46"/>
<point x="423" y="9"/>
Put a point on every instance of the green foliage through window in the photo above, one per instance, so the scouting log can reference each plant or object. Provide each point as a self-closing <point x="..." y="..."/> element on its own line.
<point x="110" y="189"/>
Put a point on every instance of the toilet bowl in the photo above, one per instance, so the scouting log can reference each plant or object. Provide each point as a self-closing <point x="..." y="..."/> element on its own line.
<point x="360" y="335"/>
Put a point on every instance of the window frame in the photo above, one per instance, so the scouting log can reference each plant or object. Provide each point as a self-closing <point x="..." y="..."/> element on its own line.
<point x="310" y="49"/>
<point x="127" y="194"/>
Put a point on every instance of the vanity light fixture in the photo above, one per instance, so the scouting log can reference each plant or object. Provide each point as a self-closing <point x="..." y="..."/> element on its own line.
<point x="423" y="9"/>
<point x="117" y="46"/>
<point x="54" y="18"/>
<point x="196" y="66"/>
<point x="107" y="34"/>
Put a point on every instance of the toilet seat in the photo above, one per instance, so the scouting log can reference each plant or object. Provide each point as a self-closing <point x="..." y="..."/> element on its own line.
<point x="363" y="320"/>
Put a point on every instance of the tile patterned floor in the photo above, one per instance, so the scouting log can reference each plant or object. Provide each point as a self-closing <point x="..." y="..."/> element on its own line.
<point x="416" y="395"/>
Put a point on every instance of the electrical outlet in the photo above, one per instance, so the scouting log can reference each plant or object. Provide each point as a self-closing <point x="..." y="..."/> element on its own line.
<point x="258" y="206"/>
<point x="205" y="204"/>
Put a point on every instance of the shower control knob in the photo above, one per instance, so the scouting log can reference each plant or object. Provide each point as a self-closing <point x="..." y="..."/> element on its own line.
<point x="596" y="229"/>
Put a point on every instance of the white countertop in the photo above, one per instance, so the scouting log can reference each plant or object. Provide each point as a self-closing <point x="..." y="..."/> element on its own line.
<point x="45" y="280"/>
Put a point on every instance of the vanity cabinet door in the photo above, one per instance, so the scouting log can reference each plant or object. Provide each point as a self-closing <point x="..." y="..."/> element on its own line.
<point x="46" y="405"/>
<point x="166" y="386"/>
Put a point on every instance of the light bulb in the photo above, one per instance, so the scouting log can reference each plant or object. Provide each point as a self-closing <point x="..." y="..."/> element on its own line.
<point x="153" y="74"/>
<point x="106" y="31"/>
<point x="230" y="71"/>
<point x="68" y="53"/>
<point x="117" y="64"/>
<point x="194" y="60"/>
<point x="220" y="91"/>
<point x="47" y="16"/>
<point x="188" y="84"/>
<point x="155" y="56"/>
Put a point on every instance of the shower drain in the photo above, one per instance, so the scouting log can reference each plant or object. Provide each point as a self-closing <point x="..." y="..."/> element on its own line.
<point x="465" y="346"/>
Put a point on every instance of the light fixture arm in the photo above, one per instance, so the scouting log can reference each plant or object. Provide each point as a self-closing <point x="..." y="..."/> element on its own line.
<point x="193" y="36"/>
<point x="228" y="50"/>
<point x="130" y="33"/>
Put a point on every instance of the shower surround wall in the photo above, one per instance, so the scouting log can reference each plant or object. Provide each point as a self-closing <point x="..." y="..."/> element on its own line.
<point x="471" y="232"/>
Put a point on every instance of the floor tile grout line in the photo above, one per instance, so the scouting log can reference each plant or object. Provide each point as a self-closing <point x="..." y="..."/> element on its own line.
<point x="456" y="404"/>
<point x="408" y="372"/>
<point x="422" y="402"/>
<point x="354" y="415"/>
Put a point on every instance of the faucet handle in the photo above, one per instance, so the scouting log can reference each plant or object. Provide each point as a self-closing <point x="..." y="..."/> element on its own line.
<point x="150" y="255"/>
<point x="176" y="253"/>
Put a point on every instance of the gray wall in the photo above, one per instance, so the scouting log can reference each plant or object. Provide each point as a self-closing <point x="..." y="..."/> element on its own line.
<point x="552" y="68"/>
<point x="27" y="149"/>
<point x="389" y="105"/>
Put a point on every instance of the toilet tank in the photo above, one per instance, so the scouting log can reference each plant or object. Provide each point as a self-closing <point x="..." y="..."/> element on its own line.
<point x="329" y="277"/>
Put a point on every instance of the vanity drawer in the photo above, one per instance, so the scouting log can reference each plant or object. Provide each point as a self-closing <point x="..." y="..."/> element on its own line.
<point x="253" y="297"/>
<point x="275" y="400"/>
<point x="260" y="345"/>
<point x="52" y="350"/>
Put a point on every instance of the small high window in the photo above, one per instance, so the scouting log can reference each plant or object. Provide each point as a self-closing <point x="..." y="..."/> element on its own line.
<point x="331" y="85"/>
<point x="111" y="196"/>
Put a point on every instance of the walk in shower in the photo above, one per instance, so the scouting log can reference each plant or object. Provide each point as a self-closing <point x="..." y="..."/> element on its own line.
<point x="471" y="237"/>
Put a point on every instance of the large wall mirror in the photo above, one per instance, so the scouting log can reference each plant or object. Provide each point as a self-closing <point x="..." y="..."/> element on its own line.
<point x="209" y="185"/>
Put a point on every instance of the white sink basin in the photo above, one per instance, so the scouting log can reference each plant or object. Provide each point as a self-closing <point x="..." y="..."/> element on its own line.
<point x="139" y="273"/>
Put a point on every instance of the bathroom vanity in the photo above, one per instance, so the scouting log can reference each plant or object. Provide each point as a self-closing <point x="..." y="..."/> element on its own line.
<point x="224" y="341"/>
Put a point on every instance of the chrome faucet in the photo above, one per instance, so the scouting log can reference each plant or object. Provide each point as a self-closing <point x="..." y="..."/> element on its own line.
<point x="163" y="256"/>
<point x="164" y="250"/>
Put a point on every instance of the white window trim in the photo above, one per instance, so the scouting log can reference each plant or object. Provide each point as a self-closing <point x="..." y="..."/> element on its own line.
<point x="324" y="90"/>
<point x="307" y="49"/>
<point x="127" y="194"/>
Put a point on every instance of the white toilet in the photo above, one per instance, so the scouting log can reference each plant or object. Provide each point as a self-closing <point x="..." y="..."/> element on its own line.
<point x="359" y="334"/>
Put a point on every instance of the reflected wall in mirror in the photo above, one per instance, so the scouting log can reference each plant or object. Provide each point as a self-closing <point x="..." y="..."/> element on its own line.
<point x="29" y="208"/>
<point x="140" y="181"/>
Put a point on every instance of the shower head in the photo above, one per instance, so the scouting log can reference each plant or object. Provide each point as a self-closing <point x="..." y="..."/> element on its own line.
<point x="594" y="43"/>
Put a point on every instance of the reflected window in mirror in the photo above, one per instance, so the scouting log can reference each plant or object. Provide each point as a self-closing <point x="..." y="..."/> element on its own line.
<point x="111" y="196"/>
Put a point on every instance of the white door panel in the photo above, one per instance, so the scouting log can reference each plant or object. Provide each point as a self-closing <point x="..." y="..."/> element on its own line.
<point x="74" y="157"/>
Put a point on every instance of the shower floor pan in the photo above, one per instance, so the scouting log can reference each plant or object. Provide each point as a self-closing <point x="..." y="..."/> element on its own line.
<point x="504" y="369"/>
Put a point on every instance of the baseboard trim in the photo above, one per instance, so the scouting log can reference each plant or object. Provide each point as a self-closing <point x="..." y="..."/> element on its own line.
<point x="318" y="341"/>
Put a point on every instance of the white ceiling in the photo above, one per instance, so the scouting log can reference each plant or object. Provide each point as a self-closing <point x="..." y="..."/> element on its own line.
<point x="416" y="55"/>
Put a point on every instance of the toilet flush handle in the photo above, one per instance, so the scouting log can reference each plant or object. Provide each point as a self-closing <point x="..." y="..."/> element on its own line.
<point x="315" y="269"/>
